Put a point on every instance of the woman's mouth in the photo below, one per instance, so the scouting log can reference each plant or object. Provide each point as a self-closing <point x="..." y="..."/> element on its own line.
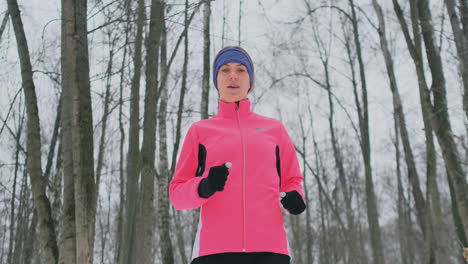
<point x="233" y="86"/>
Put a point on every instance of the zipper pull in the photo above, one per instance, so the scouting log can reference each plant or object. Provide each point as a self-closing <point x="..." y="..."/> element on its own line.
<point x="237" y="107"/>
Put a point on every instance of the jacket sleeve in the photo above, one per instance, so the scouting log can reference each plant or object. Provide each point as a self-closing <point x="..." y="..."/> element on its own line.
<point x="183" y="189"/>
<point x="291" y="176"/>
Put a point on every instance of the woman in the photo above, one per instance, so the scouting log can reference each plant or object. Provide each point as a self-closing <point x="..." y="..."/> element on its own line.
<point x="237" y="166"/>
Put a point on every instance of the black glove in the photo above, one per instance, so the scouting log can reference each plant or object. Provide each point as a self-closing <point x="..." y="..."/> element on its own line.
<point x="214" y="182"/>
<point x="293" y="202"/>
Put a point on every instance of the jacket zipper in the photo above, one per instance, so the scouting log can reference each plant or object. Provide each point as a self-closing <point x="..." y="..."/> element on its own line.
<point x="243" y="179"/>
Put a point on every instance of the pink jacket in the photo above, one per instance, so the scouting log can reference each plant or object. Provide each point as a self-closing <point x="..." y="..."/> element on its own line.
<point x="247" y="215"/>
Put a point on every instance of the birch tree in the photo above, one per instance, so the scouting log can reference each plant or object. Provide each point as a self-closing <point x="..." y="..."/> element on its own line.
<point x="206" y="60"/>
<point x="459" y="23"/>
<point x="440" y="117"/>
<point x="76" y="86"/>
<point x="422" y="211"/>
<point x="167" y="254"/>
<point x="41" y="202"/>
<point x="127" y="243"/>
<point x="363" y="116"/>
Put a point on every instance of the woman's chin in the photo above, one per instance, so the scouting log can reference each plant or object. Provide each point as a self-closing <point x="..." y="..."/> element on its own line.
<point x="232" y="99"/>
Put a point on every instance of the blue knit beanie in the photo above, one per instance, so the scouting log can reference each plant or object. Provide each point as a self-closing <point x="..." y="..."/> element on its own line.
<point x="233" y="54"/>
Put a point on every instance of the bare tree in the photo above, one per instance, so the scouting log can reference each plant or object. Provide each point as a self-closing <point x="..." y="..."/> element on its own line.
<point x="206" y="60"/>
<point x="440" y="118"/>
<point x="4" y="23"/>
<point x="363" y="115"/>
<point x="309" y="238"/>
<point x="76" y="84"/>
<point x="127" y="243"/>
<point x="120" y="213"/>
<point x="177" y="218"/>
<point x="146" y="215"/>
<point x="164" y="174"/>
<point x="38" y="183"/>
<point x="460" y="34"/>
<point x="12" y="234"/>
<point x="423" y="213"/>
<point x="239" y="25"/>
<point x="415" y="49"/>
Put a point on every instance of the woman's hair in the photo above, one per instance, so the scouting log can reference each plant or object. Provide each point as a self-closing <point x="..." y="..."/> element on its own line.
<point x="247" y="55"/>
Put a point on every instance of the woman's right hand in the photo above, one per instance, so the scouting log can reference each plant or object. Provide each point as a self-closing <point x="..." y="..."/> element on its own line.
<point x="217" y="177"/>
<point x="216" y="180"/>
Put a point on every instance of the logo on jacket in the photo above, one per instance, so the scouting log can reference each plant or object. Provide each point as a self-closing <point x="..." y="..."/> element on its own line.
<point x="258" y="128"/>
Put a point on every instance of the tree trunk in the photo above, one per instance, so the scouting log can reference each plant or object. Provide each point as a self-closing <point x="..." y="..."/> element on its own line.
<point x="401" y="222"/>
<point x="178" y="225"/>
<point x="183" y="90"/>
<point x="42" y="203"/>
<point x="206" y="60"/>
<point x="422" y="211"/>
<point x="120" y="220"/>
<point x="146" y="216"/>
<point x="29" y="243"/>
<point x="353" y="251"/>
<point x="12" y="234"/>
<point x="127" y="243"/>
<point x="179" y="229"/>
<point x="68" y="232"/>
<point x="22" y="219"/>
<point x="440" y="117"/>
<point x="4" y="23"/>
<point x="76" y="82"/>
<point x="460" y="35"/>
<point x="105" y="115"/>
<point x="372" y="213"/>
<point x="426" y="107"/>
<point x="239" y="25"/>
<point x="309" y="238"/>
<point x="164" y="174"/>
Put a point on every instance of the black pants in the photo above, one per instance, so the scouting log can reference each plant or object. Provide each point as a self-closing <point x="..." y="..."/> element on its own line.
<point x="244" y="258"/>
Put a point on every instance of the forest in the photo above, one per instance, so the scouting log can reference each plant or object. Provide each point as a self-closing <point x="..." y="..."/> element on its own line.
<point x="97" y="97"/>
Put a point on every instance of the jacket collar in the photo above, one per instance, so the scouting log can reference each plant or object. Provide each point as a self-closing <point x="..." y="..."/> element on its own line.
<point x="230" y="110"/>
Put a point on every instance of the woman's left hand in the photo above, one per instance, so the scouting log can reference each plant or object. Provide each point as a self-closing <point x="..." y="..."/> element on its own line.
<point x="293" y="202"/>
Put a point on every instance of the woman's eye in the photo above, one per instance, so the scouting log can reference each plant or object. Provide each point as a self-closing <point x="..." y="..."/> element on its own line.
<point x="225" y="70"/>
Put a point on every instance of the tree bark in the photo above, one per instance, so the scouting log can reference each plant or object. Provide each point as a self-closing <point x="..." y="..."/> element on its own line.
<point x="414" y="47"/>
<point x="146" y="216"/>
<point x="206" y="60"/>
<point x="372" y="213"/>
<point x="29" y="243"/>
<point x="309" y="238"/>
<point x="76" y="82"/>
<point x="239" y="25"/>
<point x="440" y="117"/>
<point x="423" y="213"/>
<point x="180" y="235"/>
<point x="183" y="90"/>
<point x="105" y="115"/>
<point x="164" y="174"/>
<point x="4" y="23"/>
<point x="460" y="34"/>
<point x="127" y="243"/>
<point x="120" y="212"/>
<point x="12" y="234"/>
<point x="22" y="219"/>
<point x="42" y="203"/>
<point x="178" y="224"/>
<point x="401" y="222"/>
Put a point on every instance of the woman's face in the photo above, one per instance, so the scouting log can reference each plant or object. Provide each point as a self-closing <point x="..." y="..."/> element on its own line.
<point x="233" y="82"/>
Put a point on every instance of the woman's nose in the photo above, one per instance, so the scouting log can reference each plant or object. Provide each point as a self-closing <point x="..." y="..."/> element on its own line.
<point x="233" y="75"/>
